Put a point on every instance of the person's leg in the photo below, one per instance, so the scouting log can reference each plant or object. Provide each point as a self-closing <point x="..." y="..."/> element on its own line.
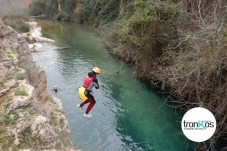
<point x="92" y="103"/>
<point x="88" y="95"/>
<point x="84" y="102"/>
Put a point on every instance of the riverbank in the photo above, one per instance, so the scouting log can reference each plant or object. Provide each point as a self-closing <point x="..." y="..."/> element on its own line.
<point x="30" y="117"/>
<point x="34" y="37"/>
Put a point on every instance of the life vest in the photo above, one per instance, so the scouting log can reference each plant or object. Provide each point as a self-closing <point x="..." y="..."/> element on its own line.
<point x="81" y="94"/>
<point x="81" y="90"/>
<point x="87" y="81"/>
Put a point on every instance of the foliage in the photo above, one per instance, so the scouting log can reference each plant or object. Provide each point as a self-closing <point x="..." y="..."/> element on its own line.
<point x="100" y="11"/>
<point x="91" y="12"/>
<point x="20" y="92"/>
<point x="59" y="9"/>
<point x="197" y="73"/>
<point x="1" y="130"/>
<point x="20" y="76"/>
<point x="28" y="141"/>
<point x="10" y="55"/>
<point x="54" y="120"/>
<point x="5" y="119"/>
<point x="16" y="116"/>
<point x="40" y="7"/>
<point x="9" y="119"/>
<point x="18" y="22"/>
<point x="1" y="84"/>
<point x="143" y="35"/>
<point x="7" y="142"/>
<point x="181" y="48"/>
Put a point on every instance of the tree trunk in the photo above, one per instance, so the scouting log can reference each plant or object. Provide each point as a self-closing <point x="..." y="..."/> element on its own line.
<point x="121" y="8"/>
<point x="59" y="6"/>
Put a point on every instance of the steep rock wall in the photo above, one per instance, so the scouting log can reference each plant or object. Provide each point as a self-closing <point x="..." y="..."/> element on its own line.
<point x="30" y="118"/>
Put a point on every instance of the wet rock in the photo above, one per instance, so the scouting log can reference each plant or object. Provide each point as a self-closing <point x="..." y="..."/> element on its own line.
<point x="35" y="34"/>
<point x="32" y="24"/>
<point x="31" y="46"/>
<point x="35" y="47"/>
<point x="43" y="39"/>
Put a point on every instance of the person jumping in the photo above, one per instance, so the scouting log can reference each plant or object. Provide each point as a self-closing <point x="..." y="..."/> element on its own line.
<point x="85" y="91"/>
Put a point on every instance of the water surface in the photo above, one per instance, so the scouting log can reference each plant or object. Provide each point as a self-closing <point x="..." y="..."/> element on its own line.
<point x="127" y="115"/>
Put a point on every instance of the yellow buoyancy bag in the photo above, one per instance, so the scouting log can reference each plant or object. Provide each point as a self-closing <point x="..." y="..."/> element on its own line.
<point x="81" y="94"/>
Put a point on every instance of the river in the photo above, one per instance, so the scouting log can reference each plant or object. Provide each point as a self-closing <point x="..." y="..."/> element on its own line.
<point x="127" y="116"/>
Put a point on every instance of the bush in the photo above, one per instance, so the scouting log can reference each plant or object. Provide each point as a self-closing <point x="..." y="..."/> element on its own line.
<point x="5" y="119"/>
<point x="2" y="130"/>
<point x="16" y="116"/>
<point x="21" y="92"/>
<point x="1" y="84"/>
<point x="20" y="76"/>
<point x="49" y="8"/>
<point x="99" y="12"/>
<point x="10" y="54"/>
<point x="17" y="22"/>
<point x="142" y="36"/>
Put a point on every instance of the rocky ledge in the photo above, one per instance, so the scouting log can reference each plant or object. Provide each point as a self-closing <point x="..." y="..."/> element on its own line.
<point x="30" y="118"/>
<point x="34" y="37"/>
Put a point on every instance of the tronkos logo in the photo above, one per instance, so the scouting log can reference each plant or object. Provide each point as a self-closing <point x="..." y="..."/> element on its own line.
<point x="198" y="124"/>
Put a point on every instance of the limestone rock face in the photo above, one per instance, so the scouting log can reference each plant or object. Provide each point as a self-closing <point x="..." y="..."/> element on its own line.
<point x="42" y="130"/>
<point x="22" y="101"/>
<point x="19" y="102"/>
<point x="30" y="118"/>
<point x="17" y="132"/>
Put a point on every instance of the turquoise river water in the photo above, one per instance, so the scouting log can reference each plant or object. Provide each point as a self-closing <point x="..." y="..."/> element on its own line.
<point x="127" y="115"/>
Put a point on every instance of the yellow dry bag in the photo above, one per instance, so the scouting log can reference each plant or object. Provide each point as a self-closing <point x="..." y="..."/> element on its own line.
<point x="81" y="94"/>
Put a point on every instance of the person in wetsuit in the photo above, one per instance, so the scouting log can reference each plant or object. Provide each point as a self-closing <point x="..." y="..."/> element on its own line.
<point x="90" y="82"/>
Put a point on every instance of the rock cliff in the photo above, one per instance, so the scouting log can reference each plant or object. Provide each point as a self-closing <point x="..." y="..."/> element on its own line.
<point x="30" y="118"/>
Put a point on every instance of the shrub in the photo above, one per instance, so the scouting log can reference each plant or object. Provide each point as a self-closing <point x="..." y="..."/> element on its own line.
<point x="17" y="22"/>
<point x="10" y="55"/>
<point x="142" y="36"/>
<point x="1" y="84"/>
<point x="20" y="76"/>
<point x="54" y="120"/>
<point x="2" y="130"/>
<point x="16" y="116"/>
<point x="20" y="92"/>
<point x="5" y="119"/>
